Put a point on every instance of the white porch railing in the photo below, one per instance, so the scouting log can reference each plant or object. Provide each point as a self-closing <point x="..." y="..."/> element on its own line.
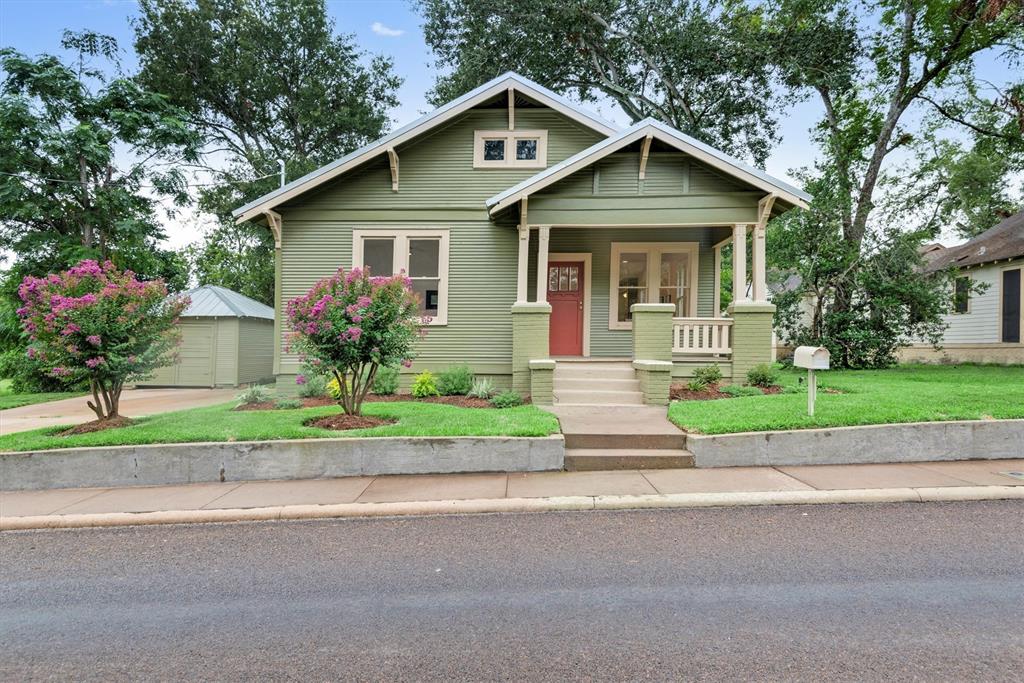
<point x="702" y="336"/>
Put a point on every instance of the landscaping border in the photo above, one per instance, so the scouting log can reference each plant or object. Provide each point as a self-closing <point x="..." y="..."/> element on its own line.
<point x="888" y="443"/>
<point x="187" y="463"/>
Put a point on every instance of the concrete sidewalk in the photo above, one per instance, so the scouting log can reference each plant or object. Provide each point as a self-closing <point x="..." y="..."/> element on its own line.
<point x="134" y="403"/>
<point x="453" y="493"/>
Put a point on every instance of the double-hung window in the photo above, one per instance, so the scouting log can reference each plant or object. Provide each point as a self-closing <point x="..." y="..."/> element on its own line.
<point x="422" y="254"/>
<point x="510" y="148"/>
<point x="652" y="272"/>
<point x="962" y="295"/>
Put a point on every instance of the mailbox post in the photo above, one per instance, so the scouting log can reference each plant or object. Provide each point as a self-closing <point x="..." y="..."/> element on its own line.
<point x="813" y="358"/>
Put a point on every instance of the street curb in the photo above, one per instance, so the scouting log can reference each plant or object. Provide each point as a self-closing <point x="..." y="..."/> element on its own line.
<point x="477" y="506"/>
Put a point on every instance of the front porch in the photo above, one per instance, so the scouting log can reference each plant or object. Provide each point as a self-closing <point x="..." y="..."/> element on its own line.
<point x="602" y="307"/>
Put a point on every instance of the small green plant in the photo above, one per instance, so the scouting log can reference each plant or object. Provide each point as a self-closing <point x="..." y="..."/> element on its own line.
<point x="455" y="381"/>
<point x="385" y="382"/>
<point x="507" y="399"/>
<point x="696" y="385"/>
<point x="763" y="375"/>
<point x="257" y="393"/>
<point x="312" y="386"/>
<point x="287" y="404"/>
<point x="711" y="374"/>
<point x="482" y="388"/>
<point x="424" y="385"/>
<point x="735" y="390"/>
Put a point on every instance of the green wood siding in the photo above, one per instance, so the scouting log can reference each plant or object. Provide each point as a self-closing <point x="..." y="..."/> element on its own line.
<point x="255" y="350"/>
<point x="226" y="351"/>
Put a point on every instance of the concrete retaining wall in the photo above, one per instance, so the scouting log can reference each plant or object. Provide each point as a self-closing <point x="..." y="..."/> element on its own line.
<point x="912" y="442"/>
<point x="261" y="460"/>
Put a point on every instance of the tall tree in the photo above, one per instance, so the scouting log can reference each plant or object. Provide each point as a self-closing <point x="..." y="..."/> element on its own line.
<point x="85" y="161"/>
<point x="702" y="66"/>
<point x="261" y="81"/>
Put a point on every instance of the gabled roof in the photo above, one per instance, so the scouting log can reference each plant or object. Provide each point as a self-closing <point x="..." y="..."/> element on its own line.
<point x="437" y="117"/>
<point x="211" y="301"/>
<point x="666" y="134"/>
<point x="1003" y="241"/>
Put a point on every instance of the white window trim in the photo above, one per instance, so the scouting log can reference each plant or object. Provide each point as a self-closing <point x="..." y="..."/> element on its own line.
<point x="510" y="137"/>
<point x="400" y="258"/>
<point x="653" y="274"/>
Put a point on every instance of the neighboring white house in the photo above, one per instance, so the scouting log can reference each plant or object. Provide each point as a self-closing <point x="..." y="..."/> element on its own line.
<point x="982" y="327"/>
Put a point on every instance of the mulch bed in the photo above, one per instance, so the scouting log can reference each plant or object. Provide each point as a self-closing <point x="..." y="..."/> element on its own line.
<point x="681" y="392"/>
<point x="97" y="426"/>
<point x="342" y="422"/>
<point x="460" y="401"/>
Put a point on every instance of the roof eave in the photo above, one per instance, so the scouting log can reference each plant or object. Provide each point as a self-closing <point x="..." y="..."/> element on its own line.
<point x="439" y="116"/>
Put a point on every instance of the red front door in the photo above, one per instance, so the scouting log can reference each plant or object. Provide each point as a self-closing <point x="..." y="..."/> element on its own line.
<point x="565" y="294"/>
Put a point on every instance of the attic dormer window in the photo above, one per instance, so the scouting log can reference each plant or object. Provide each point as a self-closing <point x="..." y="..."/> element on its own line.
<point x="510" y="149"/>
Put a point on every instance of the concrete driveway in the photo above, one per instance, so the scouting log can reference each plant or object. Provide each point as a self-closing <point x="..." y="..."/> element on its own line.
<point x="134" y="403"/>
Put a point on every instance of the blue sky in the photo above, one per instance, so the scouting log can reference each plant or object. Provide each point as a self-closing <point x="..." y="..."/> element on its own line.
<point x="389" y="27"/>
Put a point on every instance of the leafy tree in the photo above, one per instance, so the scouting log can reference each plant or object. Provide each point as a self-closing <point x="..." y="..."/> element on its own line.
<point x="702" y="66"/>
<point x="261" y="81"/>
<point x="350" y="325"/>
<point x="101" y="325"/>
<point x="888" y="77"/>
<point x="85" y="161"/>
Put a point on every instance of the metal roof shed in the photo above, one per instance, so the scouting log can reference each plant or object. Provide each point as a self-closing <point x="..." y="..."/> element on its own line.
<point x="227" y="340"/>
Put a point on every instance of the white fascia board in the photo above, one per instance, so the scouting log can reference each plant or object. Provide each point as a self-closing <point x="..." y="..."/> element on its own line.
<point x="667" y="134"/>
<point x="421" y="125"/>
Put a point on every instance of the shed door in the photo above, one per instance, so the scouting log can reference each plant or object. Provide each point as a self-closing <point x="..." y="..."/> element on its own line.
<point x="1011" y="306"/>
<point x="197" y="355"/>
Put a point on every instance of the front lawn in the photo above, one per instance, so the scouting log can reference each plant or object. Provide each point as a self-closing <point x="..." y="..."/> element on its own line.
<point x="909" y="393"/>
<point x="9" y="399"/>
<point x="221" y="423"/>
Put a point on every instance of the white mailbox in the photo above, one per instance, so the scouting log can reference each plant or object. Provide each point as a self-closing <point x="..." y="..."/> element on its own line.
<point x="811" y="357"/>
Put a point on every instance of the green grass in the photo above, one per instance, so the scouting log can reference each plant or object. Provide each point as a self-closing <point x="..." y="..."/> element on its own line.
<point x="9" y="399"/>
<point x="221" y="423"/>
<point x="909" y="393"/>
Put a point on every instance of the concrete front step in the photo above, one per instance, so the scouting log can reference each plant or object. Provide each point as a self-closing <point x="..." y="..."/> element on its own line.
<point x="636" y="442"/>
<point x="591" y="459"/>
<point x="589" y="397"/>
<point x="586" y="372"/>
<point x="594" y="384"/>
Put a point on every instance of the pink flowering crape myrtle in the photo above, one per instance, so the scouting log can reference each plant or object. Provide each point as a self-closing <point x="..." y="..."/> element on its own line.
<point x="351" y="324"/>
<point x="98" y="324"/>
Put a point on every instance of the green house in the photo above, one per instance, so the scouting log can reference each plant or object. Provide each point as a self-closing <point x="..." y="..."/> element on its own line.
<point x="555" y="252"/>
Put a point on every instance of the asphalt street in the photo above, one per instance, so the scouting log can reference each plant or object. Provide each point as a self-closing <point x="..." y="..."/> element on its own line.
<point x="874" y="592"/>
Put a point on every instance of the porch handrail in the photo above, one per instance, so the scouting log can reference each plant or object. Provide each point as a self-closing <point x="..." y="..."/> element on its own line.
<point x="703" y="336"/>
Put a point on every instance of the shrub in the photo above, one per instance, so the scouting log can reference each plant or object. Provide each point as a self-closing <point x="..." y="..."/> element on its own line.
<point x="257" y="393"/>
<point x="424" y="385"/>
<point x="287" y="404"/>
<point x="507" y="399"/>
<point x="737" y="390"/>
<point x="312" y="385"/>
<point x="455" y="381"/>
<point x="696" y="385"/>
<point x="28" y="376"/>
<point x="711" y="374"/>
<point x="482" y="388"/>
<point x="94" y="323"/>
<point x="351" y="325"/>
<point x="763" y="375"/>
<point x="386" y="381"/>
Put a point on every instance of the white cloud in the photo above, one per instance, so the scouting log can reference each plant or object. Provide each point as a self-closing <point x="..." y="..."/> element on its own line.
<point x="382" y="30"/>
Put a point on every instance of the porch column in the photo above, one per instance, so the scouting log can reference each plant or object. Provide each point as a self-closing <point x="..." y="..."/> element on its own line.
<point x="739" y="262"/>
<point x="542" y="264"/>
<point x="524" y="260"/>
<point x="759" y="274"/>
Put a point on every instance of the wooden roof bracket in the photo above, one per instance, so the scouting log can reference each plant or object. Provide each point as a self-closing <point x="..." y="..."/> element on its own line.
<point x="511" y="108"/>
<point x="274" y="221"/>
<point x="393" y="162"/>
<point x="645" y="151"/>
<point x="764" y="210"/>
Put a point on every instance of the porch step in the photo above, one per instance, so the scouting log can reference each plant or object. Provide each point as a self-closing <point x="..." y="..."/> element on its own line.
<point x="590" y="384"/>
<point x="591" y="459"/>
<point x="591" y="397"/>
